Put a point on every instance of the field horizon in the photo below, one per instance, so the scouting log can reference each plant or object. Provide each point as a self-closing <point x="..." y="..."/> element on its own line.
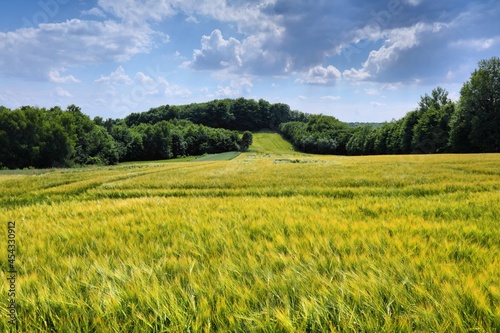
<point x="269" y="240"/>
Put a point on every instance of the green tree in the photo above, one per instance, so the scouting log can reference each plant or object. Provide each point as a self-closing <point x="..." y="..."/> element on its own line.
<point x="476" y="122"/>
<point x="279" y="113"/>
<point x="57" y="140"/>
<point x="357" y="141"/>
<point x="430" y="133"/>
<point x="406" y="131"/>
<point x="101" y="147"/>
<point x="246" y="141"/>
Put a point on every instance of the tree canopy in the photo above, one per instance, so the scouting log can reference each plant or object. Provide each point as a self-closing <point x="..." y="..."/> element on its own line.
<point x="476" y="124"/>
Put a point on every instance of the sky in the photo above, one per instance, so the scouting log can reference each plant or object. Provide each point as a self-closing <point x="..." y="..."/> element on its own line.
<point x="357" y="60"/>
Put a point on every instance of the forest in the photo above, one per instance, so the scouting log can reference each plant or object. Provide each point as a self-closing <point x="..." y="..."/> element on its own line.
<point x="41" y="138"/>
<point x="438" y="125"/>
<point x="44" y="138"/>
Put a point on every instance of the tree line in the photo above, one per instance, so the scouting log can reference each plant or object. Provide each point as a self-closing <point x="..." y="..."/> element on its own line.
<point x="235" y="114"/>
<point x="438" y="125"/>
<point x="45" y="138"/>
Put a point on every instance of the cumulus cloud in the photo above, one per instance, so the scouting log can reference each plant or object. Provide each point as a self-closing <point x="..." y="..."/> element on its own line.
<point x="356" y="75"/>
<point x="320" y="75"/>
<point x="56" y="77"/>
<point x="226" y="91"/>
<point x="394" y="40"/>
<point x="173" y="90"/>
<point x="397" y="41"/>
<point x="217" y="52"/>
<point x="145" y="79"/>
<point x="237" y="87"/>
<point x="282" y="37"/>
<point x="62" y="92"/>
<point x="34" y="52"/>
<point x="117" y="77"/>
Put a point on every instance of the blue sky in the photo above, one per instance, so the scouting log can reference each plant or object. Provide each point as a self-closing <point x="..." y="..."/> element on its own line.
<point x="358" y="60"/>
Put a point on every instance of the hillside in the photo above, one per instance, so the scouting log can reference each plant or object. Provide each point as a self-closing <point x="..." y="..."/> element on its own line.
<point x="267" y="142"/>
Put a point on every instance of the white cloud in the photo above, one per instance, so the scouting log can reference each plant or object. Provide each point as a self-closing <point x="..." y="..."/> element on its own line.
<point x="479" y="44"/>
<point x="217" y="52"/>
<point x="173" y="90"/>
<point x="133" y="11"/>
<point x="192" y="19"/>
<point x="320" y="75"/>
<point x="94" y="12"/>
<point x="55" y="76"/>
<point x="371" y="91"/>
<point x="397" y="40"/>
<point x="226" y="91"/>
<point x="249" y="17"/>
<point x="244" y="85"/>
<point x="177" y="91"/>
<point x="392" y="86"/>
<point x="148" y="85"/>
<point x="377" y="104"/>
<point x="236" y="87"/>
<point x="117" y="77"/>
<point x="356" y="75"/>
<point x="33" y="52"/>
<point x="331" y="98"/>
<point x="145" y="80"/>
<point x="62" y="92"/>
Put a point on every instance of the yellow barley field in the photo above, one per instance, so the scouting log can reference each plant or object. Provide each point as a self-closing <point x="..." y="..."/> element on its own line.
<point x="270" y="241"/>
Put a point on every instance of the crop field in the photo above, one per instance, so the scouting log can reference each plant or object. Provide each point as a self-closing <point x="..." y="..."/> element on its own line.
<point x="270" y="240"/>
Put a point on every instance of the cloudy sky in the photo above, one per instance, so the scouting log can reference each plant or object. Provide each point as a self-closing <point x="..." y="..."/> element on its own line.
<point x="358" y="60"/>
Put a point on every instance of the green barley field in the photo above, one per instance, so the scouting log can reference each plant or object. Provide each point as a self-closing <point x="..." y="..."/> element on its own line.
<point x="270" y="240"/>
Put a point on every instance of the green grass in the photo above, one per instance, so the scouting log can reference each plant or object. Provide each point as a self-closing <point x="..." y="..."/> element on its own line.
<point x="270" y="143"/>
<point x="218" y="157"/>
<point x="269" y="241"/>
<point x="172" y="160"/>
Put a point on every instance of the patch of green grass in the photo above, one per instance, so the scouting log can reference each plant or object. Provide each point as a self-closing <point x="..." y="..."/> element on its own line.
<point x="173" y="160"/>
<point x="270" y="143"/>
<point x="217" y="157"/>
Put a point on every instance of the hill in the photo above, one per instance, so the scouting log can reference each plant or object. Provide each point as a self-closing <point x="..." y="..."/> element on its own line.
<point x="268" y="142"/>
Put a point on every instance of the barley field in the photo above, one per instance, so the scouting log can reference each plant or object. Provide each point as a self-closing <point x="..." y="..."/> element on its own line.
<point x="270" y="240"/>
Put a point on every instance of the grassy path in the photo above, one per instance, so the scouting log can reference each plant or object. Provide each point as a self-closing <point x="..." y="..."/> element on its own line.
<point x="270" y="143"/>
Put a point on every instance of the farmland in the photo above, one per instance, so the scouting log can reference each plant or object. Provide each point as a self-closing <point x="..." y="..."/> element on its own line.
<point x="269" y="240"/>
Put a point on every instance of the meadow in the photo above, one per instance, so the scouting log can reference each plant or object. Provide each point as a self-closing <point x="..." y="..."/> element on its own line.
<point x="270" y="240"/>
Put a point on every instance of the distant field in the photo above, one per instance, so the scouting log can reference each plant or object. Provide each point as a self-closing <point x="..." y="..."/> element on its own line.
<point x="270" y="143"/>
<point x="267" y="241"/>
<point x="218" y="157"/>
